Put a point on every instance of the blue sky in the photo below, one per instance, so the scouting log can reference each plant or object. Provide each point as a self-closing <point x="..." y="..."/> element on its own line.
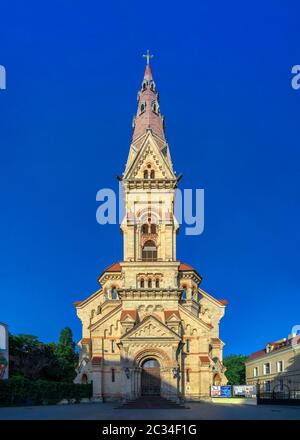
<point x="223" y="72"/>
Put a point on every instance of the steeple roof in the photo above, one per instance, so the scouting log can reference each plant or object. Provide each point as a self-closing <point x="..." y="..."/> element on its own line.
<point x="148" y="112"/>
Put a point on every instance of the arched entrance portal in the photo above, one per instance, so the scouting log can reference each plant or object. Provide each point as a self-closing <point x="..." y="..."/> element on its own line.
<point x="151" y="378"/>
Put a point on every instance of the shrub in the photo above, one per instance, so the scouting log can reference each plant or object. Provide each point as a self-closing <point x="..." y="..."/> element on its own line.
<point x="21" y="391"/>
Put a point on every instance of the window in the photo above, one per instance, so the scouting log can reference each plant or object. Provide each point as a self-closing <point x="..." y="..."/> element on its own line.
<point x="152" y="174"/>
<point x="113" y="378"/>
<point x="187" y="346"/>
<point x="98" y="310"/>
<point x="153" y="229"/>
<point x="255" y="371"/>
<point x="183" y="295"/>
<point x="114" y="293"/>
<point x="143" y="108"/>
<point x="267" y="368"/>
<point x="145" y="227"/>
<point x="150" y="284"/>
<point x="187" y="375"/>
<point x="157" y="284"/>
<point x="92" y="313"/>
<point x="113" y="346"/>
<point x="142" y="283"/>
<point x="146" y="174"/>
<point x="267" y="386"/>
<point x="149" y="252"/>
<point x="279" y="366"/>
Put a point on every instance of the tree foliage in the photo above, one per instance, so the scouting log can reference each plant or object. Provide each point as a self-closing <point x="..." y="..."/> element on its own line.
<point x="235" y="369"/>
<point x="36" y="360"/>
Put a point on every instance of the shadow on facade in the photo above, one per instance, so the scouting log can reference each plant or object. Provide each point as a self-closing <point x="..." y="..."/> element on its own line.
<point x="130" y="380"/>
<point x="284" y="387"/>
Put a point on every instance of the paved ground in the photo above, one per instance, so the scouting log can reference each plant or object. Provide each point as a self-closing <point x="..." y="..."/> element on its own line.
<point x="108" y="411"/>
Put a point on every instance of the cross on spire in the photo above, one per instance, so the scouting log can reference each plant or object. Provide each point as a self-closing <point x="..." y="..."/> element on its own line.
<point x="148" y="56"/>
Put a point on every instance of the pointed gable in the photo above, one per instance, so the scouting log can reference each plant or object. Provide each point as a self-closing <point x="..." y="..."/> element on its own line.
<point x="151" y="328"/>
<point x="149" y="153"/>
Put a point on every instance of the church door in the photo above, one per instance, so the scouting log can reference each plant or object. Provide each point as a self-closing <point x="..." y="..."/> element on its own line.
<point x="150" y="378"/>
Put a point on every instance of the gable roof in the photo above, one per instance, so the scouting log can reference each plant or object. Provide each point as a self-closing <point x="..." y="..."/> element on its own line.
<point x="131" y="313"/>
<point x="144" y="321"/>
<point x="169" y="313"/>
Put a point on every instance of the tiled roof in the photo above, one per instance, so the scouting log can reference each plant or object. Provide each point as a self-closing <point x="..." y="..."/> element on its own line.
<point x="131" y="313"/>
<point x="169" y="313"/>
<point x="216" y="340"/>
<point x="77" y="303"/>
<point x="276" y="346"/>
<point x="96" y="360"/>
<point x="204" y="359"/>
<point x="185" y="267"/>
<point x="115" y="267"/>
<point x="85" y="340"/>
<point x="223" y="301"/>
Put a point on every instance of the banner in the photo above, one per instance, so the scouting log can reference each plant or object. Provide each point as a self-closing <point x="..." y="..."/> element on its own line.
<point x="220" y="391"/>
<point x="244" y="390"/>
<point x="3" y="351"/>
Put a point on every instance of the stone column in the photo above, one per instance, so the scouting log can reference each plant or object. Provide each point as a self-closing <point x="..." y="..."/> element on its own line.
<point x="97" y="384"/>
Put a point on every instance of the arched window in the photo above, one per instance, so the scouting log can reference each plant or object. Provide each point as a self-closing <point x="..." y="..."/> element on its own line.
<point x="98" y="310"/>
<point x="146" y="174"/>
<point x="143" y="108"/>
<point x="149" y="283"/>
<point x="152" y="174"/>
<point x="114" y="293"/>
<point x="113" y="377"/>
<point x="92" y="313"/>
<point x="157" y="283"/>
<point x="149" y="252"/>
<point x="142" y="283"/>
<point x="144" y="86"/>
<point x="145" y="229"/>
<point x="183" y="295"/>
<point x="153" y="229"/>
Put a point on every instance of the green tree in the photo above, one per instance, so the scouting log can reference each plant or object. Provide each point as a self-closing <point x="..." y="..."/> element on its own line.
<point x="66" y="354"/>
<point x="235" y="369"/>
<point x="32" y="359"/>
<point x="36" y="360"/>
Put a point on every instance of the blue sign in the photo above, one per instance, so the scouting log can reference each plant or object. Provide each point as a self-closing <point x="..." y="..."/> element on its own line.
<point x="225" y="391"/>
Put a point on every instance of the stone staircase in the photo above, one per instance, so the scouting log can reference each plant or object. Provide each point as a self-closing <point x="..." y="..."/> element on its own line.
<point x="151" y="402"/>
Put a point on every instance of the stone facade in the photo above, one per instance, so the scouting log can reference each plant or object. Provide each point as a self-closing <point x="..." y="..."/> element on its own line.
<point x="150" y="306"/>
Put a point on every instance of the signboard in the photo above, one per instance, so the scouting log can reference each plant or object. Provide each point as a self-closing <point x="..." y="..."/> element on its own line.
<point x="220" y="391"/>
<point x="244" y="390"/>
<point x="3" y="351"/>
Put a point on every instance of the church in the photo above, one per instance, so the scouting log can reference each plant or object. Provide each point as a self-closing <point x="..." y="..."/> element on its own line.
<point x="150" y="329"/>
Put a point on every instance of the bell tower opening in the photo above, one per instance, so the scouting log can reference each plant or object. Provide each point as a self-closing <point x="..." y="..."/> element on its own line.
<point x="149" y="251"/>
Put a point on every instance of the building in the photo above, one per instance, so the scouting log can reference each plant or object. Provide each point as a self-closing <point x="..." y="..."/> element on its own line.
<point x="277" y="366"/>
<point x="150" y="329"/>
<point x="4" y="351"/>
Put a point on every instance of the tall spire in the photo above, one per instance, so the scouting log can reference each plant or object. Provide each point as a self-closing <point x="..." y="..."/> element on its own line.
<point x="148" y="113"/>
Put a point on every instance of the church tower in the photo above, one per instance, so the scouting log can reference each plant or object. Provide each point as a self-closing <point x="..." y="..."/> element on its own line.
<point x="150" y="329"/>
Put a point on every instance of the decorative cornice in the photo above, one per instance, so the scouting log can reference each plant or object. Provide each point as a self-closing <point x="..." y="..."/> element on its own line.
<point x="149" y="294"/>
